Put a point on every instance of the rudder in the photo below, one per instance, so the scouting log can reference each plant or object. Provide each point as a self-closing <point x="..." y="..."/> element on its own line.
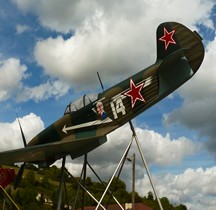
<point x="172" y="37"/>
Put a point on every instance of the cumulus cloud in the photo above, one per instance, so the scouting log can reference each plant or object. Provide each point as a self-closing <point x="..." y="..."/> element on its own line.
<point x="164" y="150"/>
<point x="43" y="91"/>
<point x="193" y="187"/>
<point x="107" y="40"/>
<point x="11" y="135"/>
<point x="21" y="28"/>
<point x="12" y="74"/>
<point x="64" y="16"/>
<point x="76" y="60"/>
<point x="198" y="111"/>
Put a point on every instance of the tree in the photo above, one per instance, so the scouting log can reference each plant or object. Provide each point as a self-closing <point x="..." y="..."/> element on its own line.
<point x="26" y="196"/>
<point x="181" y="207"/>
<point x="150" y="196"/>
<point x="30" y="178"/>
<point x="45" y="182"/>
<point x="166" y="204"/>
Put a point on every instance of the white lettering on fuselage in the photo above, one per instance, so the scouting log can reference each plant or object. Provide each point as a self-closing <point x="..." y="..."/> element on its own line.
<point x="117" y="107"/>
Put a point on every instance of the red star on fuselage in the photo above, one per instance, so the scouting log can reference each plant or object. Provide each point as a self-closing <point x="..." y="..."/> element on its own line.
<point x="167" y="38"/>
<point x="134" y="92"/>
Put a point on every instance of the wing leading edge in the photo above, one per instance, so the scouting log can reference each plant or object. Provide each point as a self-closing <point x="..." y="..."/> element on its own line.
<point x="51" y="151"/>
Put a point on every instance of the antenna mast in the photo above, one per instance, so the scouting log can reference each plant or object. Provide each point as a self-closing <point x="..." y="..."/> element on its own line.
<point x="100" y="81"/>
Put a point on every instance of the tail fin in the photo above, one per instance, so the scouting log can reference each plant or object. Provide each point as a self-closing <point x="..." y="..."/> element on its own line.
<point x="172" y="37"/>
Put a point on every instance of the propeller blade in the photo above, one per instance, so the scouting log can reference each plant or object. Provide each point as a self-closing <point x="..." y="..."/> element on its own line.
<point x="23" y="136"/>
<point x="19" y="175"/>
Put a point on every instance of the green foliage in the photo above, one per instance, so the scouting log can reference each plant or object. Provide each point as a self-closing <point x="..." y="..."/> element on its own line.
<point x="150" y="196"/>
<point x="181" y="207"/>
<point x="152" y="202"/>
<point x="46" y="182"/>
<point x="26" y="198"/>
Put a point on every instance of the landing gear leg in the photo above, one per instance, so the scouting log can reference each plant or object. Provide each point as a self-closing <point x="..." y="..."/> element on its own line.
<point x="60" y="185"/>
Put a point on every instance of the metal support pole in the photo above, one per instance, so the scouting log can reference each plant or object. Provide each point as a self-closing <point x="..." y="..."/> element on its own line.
<point x="145" y="164"/>
<point x="133" y="187"/>
<point x="104" y="185"/>
<point x="60" y="185"/>
<point x="84" y="189"/>
<point x="117" y="177"/>
<point x="120" y="163"/>
<point x="76" y="197"/>
<point x="84" y="181"/>
<point x="133" y="159"/>
<point x="66" y="195"/>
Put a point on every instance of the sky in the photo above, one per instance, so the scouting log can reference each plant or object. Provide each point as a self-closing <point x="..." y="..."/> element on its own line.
<point x="50" y="52"/>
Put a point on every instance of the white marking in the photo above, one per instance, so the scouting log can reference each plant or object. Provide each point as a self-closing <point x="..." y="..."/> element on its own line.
<point x="84" y="125"/>
<point x="118" y="107"/>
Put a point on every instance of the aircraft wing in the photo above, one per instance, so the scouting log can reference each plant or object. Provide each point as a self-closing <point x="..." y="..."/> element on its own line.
<point x="44" y="152"/>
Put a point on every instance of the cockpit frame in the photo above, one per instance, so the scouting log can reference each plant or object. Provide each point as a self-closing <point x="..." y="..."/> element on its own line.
<point x="80" y="103"/>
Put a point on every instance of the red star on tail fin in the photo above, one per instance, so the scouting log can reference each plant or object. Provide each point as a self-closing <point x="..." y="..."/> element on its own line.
<point x="167" y="38"/>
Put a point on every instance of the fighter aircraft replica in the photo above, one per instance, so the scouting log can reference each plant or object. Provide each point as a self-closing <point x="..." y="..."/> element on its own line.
<point x="87" y="121"/>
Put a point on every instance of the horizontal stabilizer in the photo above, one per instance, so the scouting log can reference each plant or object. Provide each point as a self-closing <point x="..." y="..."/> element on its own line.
<point x="172" y="58"/>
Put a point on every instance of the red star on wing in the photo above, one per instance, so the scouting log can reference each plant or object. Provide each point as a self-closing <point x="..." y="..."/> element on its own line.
<point x="167" y="38"/>
<point x="134" y="92"/>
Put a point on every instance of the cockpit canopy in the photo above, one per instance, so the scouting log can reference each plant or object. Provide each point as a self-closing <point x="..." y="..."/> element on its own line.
<point x="80" y="103"/>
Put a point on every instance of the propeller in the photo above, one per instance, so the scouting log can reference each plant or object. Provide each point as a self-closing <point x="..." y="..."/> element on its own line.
<point x="21" y="130"/>
<point x="21" y="170"/>
<point x="19" y="175"/>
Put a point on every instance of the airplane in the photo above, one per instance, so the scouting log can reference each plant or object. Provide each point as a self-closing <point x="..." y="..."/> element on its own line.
<point x="87" y="121"/>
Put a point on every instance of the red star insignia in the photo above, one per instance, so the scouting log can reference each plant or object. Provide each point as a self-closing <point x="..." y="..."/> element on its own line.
<point x="134" y="92"/>
<point x="167" y="38"/>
